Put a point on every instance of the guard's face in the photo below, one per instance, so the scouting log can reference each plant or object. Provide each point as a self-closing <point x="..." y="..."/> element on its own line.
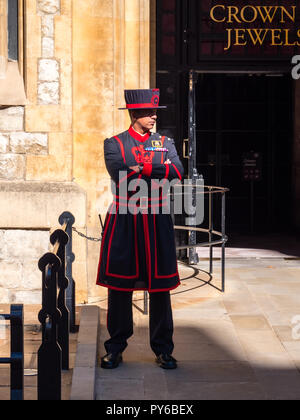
<point x="146" y="117"/>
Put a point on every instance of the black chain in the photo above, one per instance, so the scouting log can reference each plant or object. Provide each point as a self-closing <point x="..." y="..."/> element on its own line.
<point x="89" y="238"/>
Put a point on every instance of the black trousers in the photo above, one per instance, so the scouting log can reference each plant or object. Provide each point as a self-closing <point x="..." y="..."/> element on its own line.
<point x="120" y="321"/>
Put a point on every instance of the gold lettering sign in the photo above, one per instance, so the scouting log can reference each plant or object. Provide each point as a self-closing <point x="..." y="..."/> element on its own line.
<point x="249" y="14"/>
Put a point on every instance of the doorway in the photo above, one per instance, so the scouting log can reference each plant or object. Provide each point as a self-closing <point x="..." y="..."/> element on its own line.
<point x="237" y="111"/>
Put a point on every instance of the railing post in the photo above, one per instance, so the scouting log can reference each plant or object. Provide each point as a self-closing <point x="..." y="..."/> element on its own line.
<point x="211" y="223"/>
<point x="69" y="219"/>
<point x="64" y="323"/>
<point x="224" y="241"/>
<point x="17" y="352"/>
<point x="49" y="353"/>
<point x="16" y="359"/>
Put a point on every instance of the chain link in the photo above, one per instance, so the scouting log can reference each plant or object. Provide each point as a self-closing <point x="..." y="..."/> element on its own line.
<point x="89" y="238"/>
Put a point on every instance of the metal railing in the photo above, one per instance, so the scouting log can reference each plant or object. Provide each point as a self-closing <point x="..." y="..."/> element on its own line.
<point x="222" y="238"/>
<point x="16" y="359"/>
<point x="57" y="291"/>
<point x="211" y="191"/>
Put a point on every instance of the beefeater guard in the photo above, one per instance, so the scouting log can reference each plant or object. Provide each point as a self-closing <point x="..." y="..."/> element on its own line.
<point x="138" y="245"/>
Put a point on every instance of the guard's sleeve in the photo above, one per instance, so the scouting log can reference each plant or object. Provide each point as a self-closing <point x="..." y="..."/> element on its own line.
<point x="114" y="161"/>
<point x="174" y="170"/>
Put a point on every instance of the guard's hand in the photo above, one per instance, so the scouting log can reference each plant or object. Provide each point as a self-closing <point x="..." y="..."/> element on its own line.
<point x="168" y="162"/>
<point x="135" y="168"/>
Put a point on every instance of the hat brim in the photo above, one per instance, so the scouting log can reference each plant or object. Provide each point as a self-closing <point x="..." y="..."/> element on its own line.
<point x="155" y="107"/>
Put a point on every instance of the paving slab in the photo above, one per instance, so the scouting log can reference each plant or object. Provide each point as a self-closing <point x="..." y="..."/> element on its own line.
<point x="236" y="345"/>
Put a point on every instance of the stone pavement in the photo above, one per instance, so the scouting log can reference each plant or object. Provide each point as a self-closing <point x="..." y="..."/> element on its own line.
<point x="236" y="345"/>
<point x="32" y="342"/>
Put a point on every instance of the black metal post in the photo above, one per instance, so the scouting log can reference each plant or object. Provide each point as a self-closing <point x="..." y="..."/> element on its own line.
<point x="49" y="353"/>
<point x="192" y="170"/>
<point x="64" y="324"/>
<point x="69" y="219"/>
<point x="17" y="353"/>
<point x="224" y="241"/>
<point x="145" y="303"/>
<point x="210" y="229"/>
<point x="16" y="359"/>
<point x="252" y="205"/>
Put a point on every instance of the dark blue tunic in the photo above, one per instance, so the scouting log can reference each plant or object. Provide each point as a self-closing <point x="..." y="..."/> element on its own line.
<point x="138" y="248"/>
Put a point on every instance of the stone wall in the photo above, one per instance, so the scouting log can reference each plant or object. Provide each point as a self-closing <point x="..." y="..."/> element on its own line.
<point x="80" y="56"/>
<point x="36" y="157"/>
<point x="20" y="278"/>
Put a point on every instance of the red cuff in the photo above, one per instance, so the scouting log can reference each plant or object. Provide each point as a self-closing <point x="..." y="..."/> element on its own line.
<point x="147" y="169"/>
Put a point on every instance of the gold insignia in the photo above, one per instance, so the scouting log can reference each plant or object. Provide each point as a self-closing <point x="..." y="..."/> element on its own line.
<point x="156" y="143"/>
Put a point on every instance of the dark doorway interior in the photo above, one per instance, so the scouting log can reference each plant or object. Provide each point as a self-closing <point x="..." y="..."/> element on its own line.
<point x="237" y="113"/>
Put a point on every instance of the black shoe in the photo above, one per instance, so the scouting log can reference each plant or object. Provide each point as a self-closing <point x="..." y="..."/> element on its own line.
<point x="111" y="360"/>
<point x="166" y="361"/>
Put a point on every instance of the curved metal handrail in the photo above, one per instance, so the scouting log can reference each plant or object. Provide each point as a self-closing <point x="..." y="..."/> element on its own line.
<point x="208" y="189"/>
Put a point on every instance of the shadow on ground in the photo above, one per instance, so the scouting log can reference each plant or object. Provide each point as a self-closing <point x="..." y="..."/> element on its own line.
<point x="207" y="370"/>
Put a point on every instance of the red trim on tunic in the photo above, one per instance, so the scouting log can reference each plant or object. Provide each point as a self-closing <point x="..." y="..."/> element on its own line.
<point x="132" y="290"/>
<point x="122" y="148"/>
<point x="138" y="136"/>
<point x="178" y="173"/>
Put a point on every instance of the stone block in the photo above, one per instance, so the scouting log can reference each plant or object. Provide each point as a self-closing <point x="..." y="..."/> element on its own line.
<point x="47" y="47"/>
<point x="49" y="168"/>
<point x="31" y="78"/>
<point x="25" y="296"/>
<point x="37" y="205"/>
<point x="33" y="36"/>
<point x="31" y="275"/>
<point x="24" y="245"/>
<point x="12" y="119"/>
<point x="92" y="119"/>
<point x="60" y="143"/>
<point x="48" y="118"/>
<point x="48" y="70"/>
<point x="66" y="7"/>
<point x="48" y="6"/>
<point x="66" y="92"/>
<point x="48" y="93"/>
<point x="33" y="143"/>
<point x="99" y="87"/>
<point x="31" y="7"/>
<point x="48" y="26"/>
<point x="12" y="166"/>
<point x="10" y="274"/>
<point x="63" y="36"/>
<point x="4" y="140"/>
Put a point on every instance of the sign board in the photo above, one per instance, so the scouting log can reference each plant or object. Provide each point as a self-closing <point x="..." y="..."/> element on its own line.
<point x="252" y="166"/>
